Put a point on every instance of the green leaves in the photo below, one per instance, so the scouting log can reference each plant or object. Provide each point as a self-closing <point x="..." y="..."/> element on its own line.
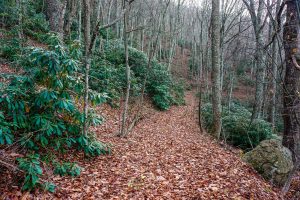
<point x="70" y="65"/>
<point x="97" y="98"/>
<point x="108" y="69"/>
<point x="71" y="169"/>
<point x="92" y="147"/>
<point x="237" y="128"/>
<point x="49" y="187"/>
<point x="6" y="136"/>
<point x="38" y="111"/>
<point x="64" y="104"/>
<point x="45" y="97"/>
<point x="31" y="166"/>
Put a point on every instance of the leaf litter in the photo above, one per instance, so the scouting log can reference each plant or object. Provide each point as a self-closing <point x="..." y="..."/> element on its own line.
<point x="164" y="157"/>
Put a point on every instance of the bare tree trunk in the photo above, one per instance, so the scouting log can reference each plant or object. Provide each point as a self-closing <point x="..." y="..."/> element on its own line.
<point x="291" y="98"/>
<point x="79" y="19"/>
<point x="201" y="66"/>
<point x="71" y="10"/>
<point x="215" y="74"/>
<point x="273" y="85"/>
<point x="142" y="36"/>
<point x="272" y="114"/>
<point x="255" y="9"/>
<point x="87" y="60"/>
<point x="260" y="77"/>
<point x="231" y="79"/>
<point x="108" y="17"/>
<point x="124" y="116"/>
<point x="20" y="18"/>
<point x="55" y="12"/>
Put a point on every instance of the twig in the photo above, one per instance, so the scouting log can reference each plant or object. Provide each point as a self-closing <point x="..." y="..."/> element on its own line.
<point x="295" y="62"/>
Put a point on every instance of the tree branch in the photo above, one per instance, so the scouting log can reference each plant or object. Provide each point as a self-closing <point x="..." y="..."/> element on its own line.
<point x="295" y="62"/>
<point x="98" y="26"/>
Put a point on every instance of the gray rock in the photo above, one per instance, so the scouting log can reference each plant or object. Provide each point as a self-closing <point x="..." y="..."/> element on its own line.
<point x="272" y="160"/>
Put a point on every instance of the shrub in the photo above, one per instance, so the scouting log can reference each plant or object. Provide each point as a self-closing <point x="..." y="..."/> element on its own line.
<point x="31" y="166"/>
<point x="246" y="80"/>
<point x="108" y="75"/>
<point x="159" y="85"/>
<point x="11" y="47"/>
<point x="178" y="93"/>
<point x="36" y="24"/>
<point x="71" y="169"/>
<point x="237" y="128"/>
<point x="207" y="116"/>
<point x="39" y="108"/>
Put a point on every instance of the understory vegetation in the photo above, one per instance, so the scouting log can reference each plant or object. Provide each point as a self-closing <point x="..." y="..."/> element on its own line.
<point x="106" y="93"/>
<point x="237" y="127"/>
<point x="108" y="75"/>
<point x="41" y="108"/>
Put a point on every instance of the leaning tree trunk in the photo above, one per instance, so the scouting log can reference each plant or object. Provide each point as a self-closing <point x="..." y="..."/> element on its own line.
<point x="291" y="98"/>
<point x="215" y="74"/>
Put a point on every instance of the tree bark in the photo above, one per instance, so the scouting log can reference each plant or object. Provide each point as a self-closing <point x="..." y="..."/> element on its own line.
<point x="87" y="60"/>
<point x="79" y="19"/>
<point x="215" y="74"/>
<point x="20" y="18"/>
<point x="71" y="10"/>
<point x="124" y="116"/>
<point x="258" y="22"/>
<point x="55" y="12"/>
<point x="260" y="77"/>
<point x="291" y="98"/>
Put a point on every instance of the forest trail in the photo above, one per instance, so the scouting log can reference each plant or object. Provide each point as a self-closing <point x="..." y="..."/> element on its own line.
<point x="166" y="157"/>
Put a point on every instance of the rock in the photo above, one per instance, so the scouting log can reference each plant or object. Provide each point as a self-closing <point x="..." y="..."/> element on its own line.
<point x="272" y="160"/>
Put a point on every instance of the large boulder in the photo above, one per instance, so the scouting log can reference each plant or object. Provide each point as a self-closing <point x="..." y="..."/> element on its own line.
<point x="272" y="160"/>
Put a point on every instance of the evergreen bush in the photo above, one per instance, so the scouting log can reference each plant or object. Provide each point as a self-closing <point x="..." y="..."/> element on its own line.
<point x="39" y="108"/>
<point x="108" y="76"/>
<point x="237" y="128"/>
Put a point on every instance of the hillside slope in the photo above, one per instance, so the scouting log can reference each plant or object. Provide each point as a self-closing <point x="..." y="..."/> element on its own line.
<point x="165" y="157"/>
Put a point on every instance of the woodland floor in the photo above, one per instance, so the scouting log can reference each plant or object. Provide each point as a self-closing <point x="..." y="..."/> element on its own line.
<point x="164" y="157"/>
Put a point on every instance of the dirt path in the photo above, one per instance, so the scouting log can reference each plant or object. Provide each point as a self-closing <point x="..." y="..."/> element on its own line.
<point x="166" y="157"/>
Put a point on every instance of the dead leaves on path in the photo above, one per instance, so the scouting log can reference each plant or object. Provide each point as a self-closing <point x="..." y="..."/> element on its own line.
<point x="165" y="157"/>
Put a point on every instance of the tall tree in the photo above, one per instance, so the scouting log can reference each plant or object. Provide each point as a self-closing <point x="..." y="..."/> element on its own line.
<point x="124" y="116"/>
<point x="274" y="67"/>
<point x="87" y="59"/>
<point x="70" y="14"/>
<point x="291" y="98"/>
<point x="55" y="12"/>
<point x="215" y="73"/>
<point x="258" y="22"/>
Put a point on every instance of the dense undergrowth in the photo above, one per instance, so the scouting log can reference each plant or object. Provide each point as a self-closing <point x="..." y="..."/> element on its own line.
<point x="109" y="69"/>
<point x="40" y="106"/>
<point x="237" y="128"/>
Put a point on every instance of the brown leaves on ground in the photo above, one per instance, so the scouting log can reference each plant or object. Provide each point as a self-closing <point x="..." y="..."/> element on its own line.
<point x="165" y="157"/>
<point x="5" y="69"/>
